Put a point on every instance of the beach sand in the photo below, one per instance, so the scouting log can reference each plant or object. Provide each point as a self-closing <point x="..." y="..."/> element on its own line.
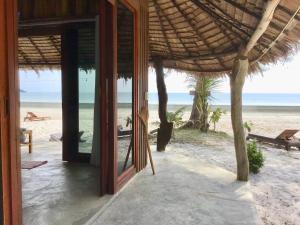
<point x="276" y="189"/>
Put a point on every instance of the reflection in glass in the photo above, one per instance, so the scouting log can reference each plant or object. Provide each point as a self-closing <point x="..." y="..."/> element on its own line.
<point x="86" y="86"/>
<point x="86" y="109"/>
<point x="125" y="87"/>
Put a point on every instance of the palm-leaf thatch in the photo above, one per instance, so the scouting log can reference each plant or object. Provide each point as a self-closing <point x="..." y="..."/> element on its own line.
<point x="205" y="35"/>
<point x="200" y="36"/>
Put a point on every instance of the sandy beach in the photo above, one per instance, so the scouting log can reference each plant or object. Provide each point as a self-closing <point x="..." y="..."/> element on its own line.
<point x="276" y="189"/>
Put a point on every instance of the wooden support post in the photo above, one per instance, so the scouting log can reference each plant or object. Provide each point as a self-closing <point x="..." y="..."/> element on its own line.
<point x="237" y="80"/>
<point x="70" y="102"/>
<point x="165" y="130"/>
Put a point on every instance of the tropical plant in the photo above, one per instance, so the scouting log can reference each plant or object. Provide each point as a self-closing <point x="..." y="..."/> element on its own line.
<point x="248" y="126"/>
<point x="176" y="117"/>
<point x="216" y="116"/>
<point x="203" y="89"/>
<point x="255" y="157"/>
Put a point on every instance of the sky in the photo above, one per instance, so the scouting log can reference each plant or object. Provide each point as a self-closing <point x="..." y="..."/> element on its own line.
<point x="280" y="78"/>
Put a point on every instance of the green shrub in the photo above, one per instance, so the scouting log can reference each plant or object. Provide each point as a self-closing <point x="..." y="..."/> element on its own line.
<point x="176" y="117"/>
<point x="255" y="157"/>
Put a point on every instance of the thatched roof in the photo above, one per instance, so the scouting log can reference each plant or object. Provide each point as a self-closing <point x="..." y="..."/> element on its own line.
<point x="44" y="52"/>
<point x="196" y="35"/>
<point x="205" y="35"/>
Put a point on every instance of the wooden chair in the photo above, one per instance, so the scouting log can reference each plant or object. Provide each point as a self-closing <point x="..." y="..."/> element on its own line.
<point x="28" y="139"/>
<point x="286" y="139"/>
<point x="30" y="116"/>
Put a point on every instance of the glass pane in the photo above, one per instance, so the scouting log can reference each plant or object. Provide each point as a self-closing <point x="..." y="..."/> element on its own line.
<point x="86" y="87"/>
<point x="86" y="109"/>
<point x="125" y="87"/>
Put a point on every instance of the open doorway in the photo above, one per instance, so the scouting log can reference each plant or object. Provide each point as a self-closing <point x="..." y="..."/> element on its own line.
<point x="57" y="117"/>
<point x="87" y="132"/>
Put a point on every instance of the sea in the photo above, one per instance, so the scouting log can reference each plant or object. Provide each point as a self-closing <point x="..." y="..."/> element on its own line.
<point x="218" y="98"/>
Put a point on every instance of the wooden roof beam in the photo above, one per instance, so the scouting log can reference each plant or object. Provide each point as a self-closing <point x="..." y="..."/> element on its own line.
<point x="162" y="28"/>
<point x="198" y="33"/>
<point x="217" y="17"/>
<point x="263" y="25"/>
<point x="27" y="60"/>
<point x="278" y="36"/>
<point x="39" y="51"/>
<point x="245" y="10"/>
<point x="175" y="31"/>
<point x="53" y="40"/>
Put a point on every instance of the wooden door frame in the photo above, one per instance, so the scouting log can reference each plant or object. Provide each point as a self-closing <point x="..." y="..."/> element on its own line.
<point x="9" y="100"/>
<point x="121" y="180"/>
<point x="106" y="70"/>
<point x="110" y="182"/>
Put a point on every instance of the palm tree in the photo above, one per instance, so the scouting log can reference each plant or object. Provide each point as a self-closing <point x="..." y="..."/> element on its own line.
<point x="203" y="88"/>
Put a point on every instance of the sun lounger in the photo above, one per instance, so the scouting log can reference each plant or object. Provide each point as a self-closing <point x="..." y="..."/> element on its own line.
<point x="285" y="139"/>
<point x="33" y="117"/>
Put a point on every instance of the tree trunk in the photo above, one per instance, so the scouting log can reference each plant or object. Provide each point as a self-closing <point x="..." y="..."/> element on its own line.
<point x="237" y="80"/>
<point x="165" y="129"/>
<point x="204" y="119"/>
<point x="195" y="114"/>
<point x="194" y="121"/>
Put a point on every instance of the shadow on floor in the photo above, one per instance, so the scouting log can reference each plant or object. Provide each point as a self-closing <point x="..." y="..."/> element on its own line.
<point x="59" y="192"/>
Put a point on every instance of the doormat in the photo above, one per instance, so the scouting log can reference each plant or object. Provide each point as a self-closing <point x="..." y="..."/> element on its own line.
<point x="28" y="165"/>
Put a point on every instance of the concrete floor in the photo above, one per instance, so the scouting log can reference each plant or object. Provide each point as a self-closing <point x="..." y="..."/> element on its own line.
<point x="58" y="193"/>
<point x="184" y="191"/>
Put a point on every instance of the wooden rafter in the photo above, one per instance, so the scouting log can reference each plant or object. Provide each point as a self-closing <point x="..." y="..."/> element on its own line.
<point x="27" y="60"/>
<point x="173" y="29"/>
<point x="267" y="16"/>
<point x="198" y="33"/>
<point x="53" y="41"/>
<point x="163" y="31"/>
<point x="278" y="36"/>
<point x="38" y="50"/>
<point x="250" y="12"/>
<point x="216" y="16"/>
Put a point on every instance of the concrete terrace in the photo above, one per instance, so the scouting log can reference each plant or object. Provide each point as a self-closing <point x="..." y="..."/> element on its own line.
<point x="184" y="191"/>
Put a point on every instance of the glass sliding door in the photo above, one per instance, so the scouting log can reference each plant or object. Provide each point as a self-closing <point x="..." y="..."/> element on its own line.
<point x="86" y="88"/>
<point x="125" y="88"/>
<point x="86" y="109"/>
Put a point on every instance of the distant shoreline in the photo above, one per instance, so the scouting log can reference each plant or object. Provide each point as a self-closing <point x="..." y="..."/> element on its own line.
<point x="173" y="107"/>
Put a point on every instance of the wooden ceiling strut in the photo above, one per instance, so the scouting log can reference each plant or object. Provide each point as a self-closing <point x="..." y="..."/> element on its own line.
<point x="278" y="36"/>
<point x="216" y="16"/>
<point x="38" y="50"/>
<point x="174" y="30"/>
<point x="225" y="14"/>
<point x="228" y="25"/>
<point x="250" y="13"/>
<point x="211" y="7"/>
<point x="54" y="22"/>
<point x="53" y="39"/>
<point x="198" y="33"/>
<point x="182" y="13"/>
<point x="162" y="28"/>
<point x="288" y="12"/>
<point x="27" y="60"/>
<point x="263" y="25"/>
